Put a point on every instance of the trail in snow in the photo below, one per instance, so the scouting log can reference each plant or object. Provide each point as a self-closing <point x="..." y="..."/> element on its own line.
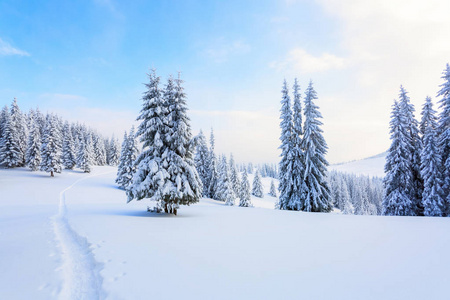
<point x="81" y="273"/>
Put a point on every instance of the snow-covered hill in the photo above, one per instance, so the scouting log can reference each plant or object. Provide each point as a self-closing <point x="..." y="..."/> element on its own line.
<point x="371" y="166"/>
<point x="74" y="237"/>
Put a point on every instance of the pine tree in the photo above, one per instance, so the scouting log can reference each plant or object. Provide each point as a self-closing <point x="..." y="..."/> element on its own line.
<point x="213" y="175"/>
<point x="50" y="148"/>
<point x="432" y="200"/>
<point x="444" y="136"/>
<point x="68" y="148"/>
<point x="286" y="164"/>
<point x="316" y="187"/>
<point x="84" y="161"/>
<point x="165" y="168"/>
<point x="234" y="176"/>
<point x="113" y="152"/>
<point x="273" y="190"/>
<point x="345" y="204"/>
<point x="131" y="156"/>
<point x="225" y="191"/>
<point x="202" y="162"/>
<point x="414" y="148"/>
<point x="3" y="114"/>
<point x="257" y="188"/>
<point x="33" y="153"/>
<point x="398" y="179"/>
<point x="19" y="132"/>
<point x="9" y="149"/>
<point x="299" y="188"/>
<point x="121" y="171"/>
<point x="244" y="196"/>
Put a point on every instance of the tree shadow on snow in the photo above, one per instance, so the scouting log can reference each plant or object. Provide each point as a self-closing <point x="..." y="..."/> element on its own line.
<point x="139" y="213"/>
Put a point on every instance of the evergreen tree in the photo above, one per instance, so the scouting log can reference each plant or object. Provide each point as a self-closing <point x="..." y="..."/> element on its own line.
<point x="444" y="136"/>
<point x="131" y="156"/>
<point x="3" y="114"/>
<point x="50" y="148"/>
<point x="165" y="168"/>
<point x="121" y="170"/>
<point x="19" y="132"/>
<point x="84" y="161"/>
<point x="316" y="189"/>
<point x="299" y="188"/>
<point x="273" y="190"/>
<point x="33" y="154"/>
<point x="398" y="179"/>
<point x="202" y="162"/>
<point x="68" y="148"/>
<point x="286" y="164"/>
<point x="213" y="175"/>
<point x="414" y="148"/>
<point x="9" y="149"/>
<point x="257" y="188"/>
<point x="99" y="150"/>
<point x="244" y="196"/>
<point x="234" y="176"/>
<point x="113" y="152"/>
<point x="432" y="200"/>
<point x="345" y="204"/>
<point x="224" y="189"/>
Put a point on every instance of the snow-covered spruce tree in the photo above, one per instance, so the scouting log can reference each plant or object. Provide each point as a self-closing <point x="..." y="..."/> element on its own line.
<point x="51" y="147"/>
<point x="234" y="176"/>
<point x="213" y="172"/>
<point x="99" y="150"/>
<point x="244" y="191"/>
<point x="201" y="160"/>
<point x="273" y="190"/>
<point x="131" y="156"/>
<point x="315" y="148"/>
<point x="286" y="164"/>
<point x="68" y="148"/>
<point x="257" y="188"/>
<point x="33" y="153"/>
<point x="444" y="136"/>
<point x="20" y="132"/>
<point x="225" y="191"/>
<point x="3" y="114"/>
<point x="84" y="161"/>
<point x="432" y="201"/>
<point x="122" y="161"/>
<point x="114" y="152"/>
<point x="414" y="146"/>
<point x="9" y="149"/>
<point x="299" y="188"/>
<point x="398" y="178"/>
<point x="344" y="198"/>
<point x="165" y="169"/>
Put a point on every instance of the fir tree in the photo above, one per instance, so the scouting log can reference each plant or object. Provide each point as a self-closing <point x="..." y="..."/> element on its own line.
<point x="234" y="176"/>
<point x="299" y="188"/>
<point x="432" y="200"/>
<point x="33" y="154"/>
<point x="273" y="190"/>
<point x="316" y="189"/>
<point x="398" y="179"/>
<point x="131" y="156"/>
<point x="113" y="152"/>
<point x="414" y="148"/>
<point x="3" y="114"/>
<point x="121" y="171"/>
<point x="444" y="136"/>
<point x="225" y="191"/>
<point x="50" y="148"/>
<point x="257" y="188"/>
<point x="19" y="132"/>
<point x="286" y="164"/>
<point x="83" y="157"/>
<point x="9" y="149"/>
<point x="68" y="148"/>
<point x="202" y="162"/>
<point x="244" y="196"/>
<point x="213" y="175"/>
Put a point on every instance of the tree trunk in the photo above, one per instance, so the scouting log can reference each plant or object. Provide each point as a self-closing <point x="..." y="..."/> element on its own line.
<point x="166" y="209"/>
<point x="51" y="174"/>
<point x="175" y="211"/>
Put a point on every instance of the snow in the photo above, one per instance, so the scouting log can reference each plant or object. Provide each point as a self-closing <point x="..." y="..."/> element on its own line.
<point x="208" y="251"/>
<point x="371" y="166"/>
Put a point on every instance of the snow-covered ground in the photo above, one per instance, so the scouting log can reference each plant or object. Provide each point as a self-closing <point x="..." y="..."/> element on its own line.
<point x="82" y="241"/>
<point x="371" y="166"/>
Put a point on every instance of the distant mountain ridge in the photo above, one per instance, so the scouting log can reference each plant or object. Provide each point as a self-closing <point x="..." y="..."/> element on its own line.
<point x="370" y="166"/>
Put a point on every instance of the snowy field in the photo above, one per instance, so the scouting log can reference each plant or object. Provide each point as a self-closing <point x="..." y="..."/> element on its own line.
<point x="74" y="237"/>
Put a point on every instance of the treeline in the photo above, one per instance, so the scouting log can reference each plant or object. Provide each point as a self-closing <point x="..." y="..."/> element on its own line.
<point x="417" y="181"/>
<point x="356" y="194"/>
<point x="48" y="143"/>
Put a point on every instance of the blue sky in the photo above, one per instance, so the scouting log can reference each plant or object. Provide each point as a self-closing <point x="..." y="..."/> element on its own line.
<point x="87" y="60"/>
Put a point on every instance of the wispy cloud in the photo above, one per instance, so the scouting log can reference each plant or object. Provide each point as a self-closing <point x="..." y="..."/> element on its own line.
<point x="298" y="60"/>
<point x="7" y="49"/>
<point x="221" y="50"/>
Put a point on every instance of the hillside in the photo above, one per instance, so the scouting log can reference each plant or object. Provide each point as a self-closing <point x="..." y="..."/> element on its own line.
<point x="371" y="166"/>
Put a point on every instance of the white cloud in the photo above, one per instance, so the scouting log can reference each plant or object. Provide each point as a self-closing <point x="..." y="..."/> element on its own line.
<point x="7" y="49"/>
<point x="300" y="61"/>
